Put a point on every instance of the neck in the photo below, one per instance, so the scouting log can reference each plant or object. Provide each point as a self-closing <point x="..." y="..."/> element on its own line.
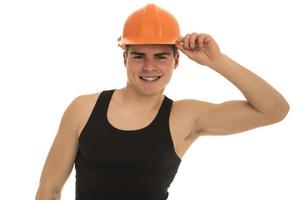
<point x="132" y="98"/>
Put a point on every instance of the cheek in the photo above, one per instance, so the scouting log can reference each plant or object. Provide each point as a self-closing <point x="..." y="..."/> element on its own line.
<point x="168" y="67"/>
<point x="132" y="69"/>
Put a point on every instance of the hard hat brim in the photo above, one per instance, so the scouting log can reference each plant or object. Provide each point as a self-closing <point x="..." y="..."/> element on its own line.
<point x="145" y="41"/>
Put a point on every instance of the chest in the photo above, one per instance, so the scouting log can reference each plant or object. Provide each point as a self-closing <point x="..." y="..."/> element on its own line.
<point x="180" y="128"/>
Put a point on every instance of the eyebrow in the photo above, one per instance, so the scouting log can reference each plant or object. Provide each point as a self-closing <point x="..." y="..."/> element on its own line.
<point x="156" y="54"/>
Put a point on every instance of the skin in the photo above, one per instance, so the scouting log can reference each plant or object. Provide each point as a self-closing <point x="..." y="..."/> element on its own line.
<point x="135" y="105"/>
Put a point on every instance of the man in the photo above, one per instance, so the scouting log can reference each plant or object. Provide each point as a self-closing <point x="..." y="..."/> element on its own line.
<point x="128" y="143"/>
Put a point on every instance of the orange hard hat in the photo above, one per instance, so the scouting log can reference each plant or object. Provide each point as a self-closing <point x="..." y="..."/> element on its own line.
<point x="150" y="25"/>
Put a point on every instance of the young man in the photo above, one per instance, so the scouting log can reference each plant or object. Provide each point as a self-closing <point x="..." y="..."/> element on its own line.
<point x="128" y="143"/>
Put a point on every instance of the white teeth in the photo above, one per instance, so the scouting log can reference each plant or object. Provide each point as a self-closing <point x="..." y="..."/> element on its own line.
<point x="150" y="78"/>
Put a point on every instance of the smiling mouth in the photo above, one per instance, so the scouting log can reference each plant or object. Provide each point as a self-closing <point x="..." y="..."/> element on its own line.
<point x="149" y="78"/>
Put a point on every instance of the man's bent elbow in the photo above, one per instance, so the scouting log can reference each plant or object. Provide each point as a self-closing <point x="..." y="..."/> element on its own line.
<point x="47" y="194"/>
<point x="279" y="112"/>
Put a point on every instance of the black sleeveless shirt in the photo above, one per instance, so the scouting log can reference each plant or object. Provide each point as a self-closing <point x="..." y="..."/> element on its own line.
<point x="114" y="164"/>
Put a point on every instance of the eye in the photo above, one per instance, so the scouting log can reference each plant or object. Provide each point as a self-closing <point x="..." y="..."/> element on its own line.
<point x="138" y="57"/>
<point x="160" y="57"/>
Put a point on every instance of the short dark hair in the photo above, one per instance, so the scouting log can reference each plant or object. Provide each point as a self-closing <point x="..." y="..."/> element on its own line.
<point x="174" y="48"/>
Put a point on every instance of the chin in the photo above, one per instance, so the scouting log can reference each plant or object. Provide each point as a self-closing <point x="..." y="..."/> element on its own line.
<point x="151" y="92"/>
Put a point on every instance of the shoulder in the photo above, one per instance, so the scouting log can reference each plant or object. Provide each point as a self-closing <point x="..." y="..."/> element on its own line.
<point x="85" y="99"/>
<point x="82" y="104"/>
<point x="82" y="101"/>
<point x="191" y="106"/>
<point x="185" y="115"/>
<point x="81" y="108"/>
<point x="78" y="108"/>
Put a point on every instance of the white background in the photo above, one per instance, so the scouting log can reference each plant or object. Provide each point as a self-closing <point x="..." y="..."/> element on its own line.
<point x="53" y="51"/>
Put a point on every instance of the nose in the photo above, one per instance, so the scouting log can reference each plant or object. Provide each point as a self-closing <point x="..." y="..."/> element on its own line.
<point x="149" y="64"/>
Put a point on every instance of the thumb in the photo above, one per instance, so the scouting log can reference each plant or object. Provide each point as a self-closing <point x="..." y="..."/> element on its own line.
<point x="185" y="51"/>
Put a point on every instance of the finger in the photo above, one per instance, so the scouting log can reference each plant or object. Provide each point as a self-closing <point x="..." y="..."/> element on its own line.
<point x="179" y="40"/>
<point x="179" y="43"/>
<point x="207" y="40"/>
<point x="200" y="40"/>
<point x="192" y="41"/>
<point x="186" y="41"/>
<point x="203" y="39"/>
<point x="181" y="48"/>
<point x="186" y="52"/>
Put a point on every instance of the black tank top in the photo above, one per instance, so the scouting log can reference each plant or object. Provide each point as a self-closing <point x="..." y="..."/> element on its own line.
<point x="114" y="164"/>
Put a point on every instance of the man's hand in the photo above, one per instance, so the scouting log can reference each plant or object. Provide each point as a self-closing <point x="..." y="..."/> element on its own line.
<point x="200" y="47"/>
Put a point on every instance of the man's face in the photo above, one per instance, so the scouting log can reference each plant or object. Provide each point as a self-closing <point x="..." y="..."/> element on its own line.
<point x="150" y="67"/>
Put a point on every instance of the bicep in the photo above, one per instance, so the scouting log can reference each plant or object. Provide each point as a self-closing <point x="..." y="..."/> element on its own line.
<point x="61" y="156"/>
<point x="227" y="118"/>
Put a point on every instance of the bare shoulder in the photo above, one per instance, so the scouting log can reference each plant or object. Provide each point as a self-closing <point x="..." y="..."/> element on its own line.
<point x="85" y="104"/>
<point x="82" y="103"/>
<point x="87" y="99"/>
<point x="185" y="115"/>
<point x="191" y="104"/>
<point x="191" y="108"/>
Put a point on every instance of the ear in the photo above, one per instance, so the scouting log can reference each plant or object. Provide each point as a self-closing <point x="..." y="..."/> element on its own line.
<point x="124" y="58"/>
<point x="176" y="60"/>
